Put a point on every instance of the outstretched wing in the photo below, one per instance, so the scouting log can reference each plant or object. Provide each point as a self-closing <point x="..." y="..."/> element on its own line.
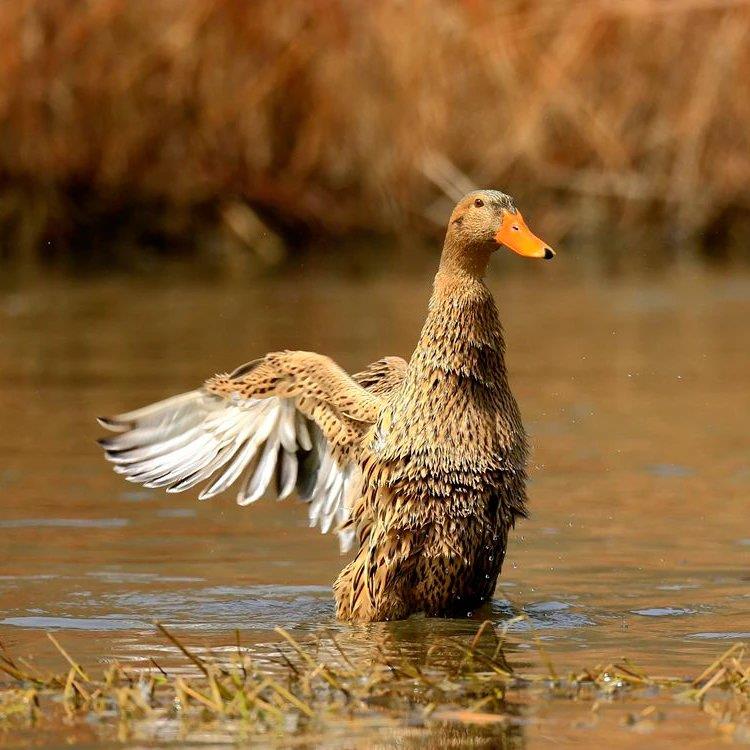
<point x="295" y="417"/>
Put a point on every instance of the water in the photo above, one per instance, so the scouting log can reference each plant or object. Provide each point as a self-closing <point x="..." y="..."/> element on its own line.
<point x="635" y="396"/>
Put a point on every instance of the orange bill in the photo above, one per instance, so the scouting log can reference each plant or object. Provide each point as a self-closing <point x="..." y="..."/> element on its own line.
<point x="514" y="234"/>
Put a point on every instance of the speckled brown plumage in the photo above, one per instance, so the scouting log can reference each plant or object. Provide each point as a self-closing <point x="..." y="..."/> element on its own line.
<point x="423" y="464"/>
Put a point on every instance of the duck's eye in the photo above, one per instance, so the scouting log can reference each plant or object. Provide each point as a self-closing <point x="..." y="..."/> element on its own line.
<point x="478" y="202"/>
<point x="516" y="228"/>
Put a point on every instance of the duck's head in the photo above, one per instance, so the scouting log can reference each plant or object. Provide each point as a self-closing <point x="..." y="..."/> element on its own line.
<point x="487" y="219"/>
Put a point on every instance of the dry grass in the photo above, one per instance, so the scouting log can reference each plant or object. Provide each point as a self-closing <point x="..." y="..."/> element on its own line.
<point x="331" y="117"/>
<point x="317" y="685"/>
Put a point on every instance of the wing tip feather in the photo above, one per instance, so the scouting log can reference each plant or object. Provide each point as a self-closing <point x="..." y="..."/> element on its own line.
<point x="112" y="423"/>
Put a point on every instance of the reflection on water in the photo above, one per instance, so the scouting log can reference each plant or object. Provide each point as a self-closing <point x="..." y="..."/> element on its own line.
<point x="81" y="523"/>
<point x="635" y="397"/>
<point x="250" y="607"/>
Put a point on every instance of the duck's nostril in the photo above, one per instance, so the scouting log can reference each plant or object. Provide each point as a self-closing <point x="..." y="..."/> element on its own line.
<point x="548" y="253"/>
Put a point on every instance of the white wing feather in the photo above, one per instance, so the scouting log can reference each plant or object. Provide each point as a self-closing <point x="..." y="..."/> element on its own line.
<point x="197" y="437"/>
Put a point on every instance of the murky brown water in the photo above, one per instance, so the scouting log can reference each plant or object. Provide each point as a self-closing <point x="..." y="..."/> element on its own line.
<point x="636" y="396"/>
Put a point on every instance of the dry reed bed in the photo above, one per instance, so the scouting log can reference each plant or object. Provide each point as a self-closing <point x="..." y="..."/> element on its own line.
<point x="330" y="117"/>
<point x="460" y="681"/>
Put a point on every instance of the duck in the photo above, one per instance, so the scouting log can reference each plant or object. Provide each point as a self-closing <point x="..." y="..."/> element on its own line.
<point x="420" y="465"/>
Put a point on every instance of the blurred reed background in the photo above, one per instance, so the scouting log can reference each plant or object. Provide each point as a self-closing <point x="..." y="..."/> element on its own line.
<point x="133" y="127"/>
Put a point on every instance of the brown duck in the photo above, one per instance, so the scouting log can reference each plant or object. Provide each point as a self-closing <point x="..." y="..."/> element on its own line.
<point x="422" y="463"/>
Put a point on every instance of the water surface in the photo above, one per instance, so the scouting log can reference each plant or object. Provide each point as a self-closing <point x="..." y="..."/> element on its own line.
<point x="635" y="396"/>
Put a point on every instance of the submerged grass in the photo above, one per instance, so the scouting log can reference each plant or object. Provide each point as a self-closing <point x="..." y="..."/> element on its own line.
<point x="317" y="686"/>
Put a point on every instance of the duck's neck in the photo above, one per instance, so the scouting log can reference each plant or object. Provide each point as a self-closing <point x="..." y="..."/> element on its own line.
<point x="458" y="261"/>
<point x="462" y="333"/>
